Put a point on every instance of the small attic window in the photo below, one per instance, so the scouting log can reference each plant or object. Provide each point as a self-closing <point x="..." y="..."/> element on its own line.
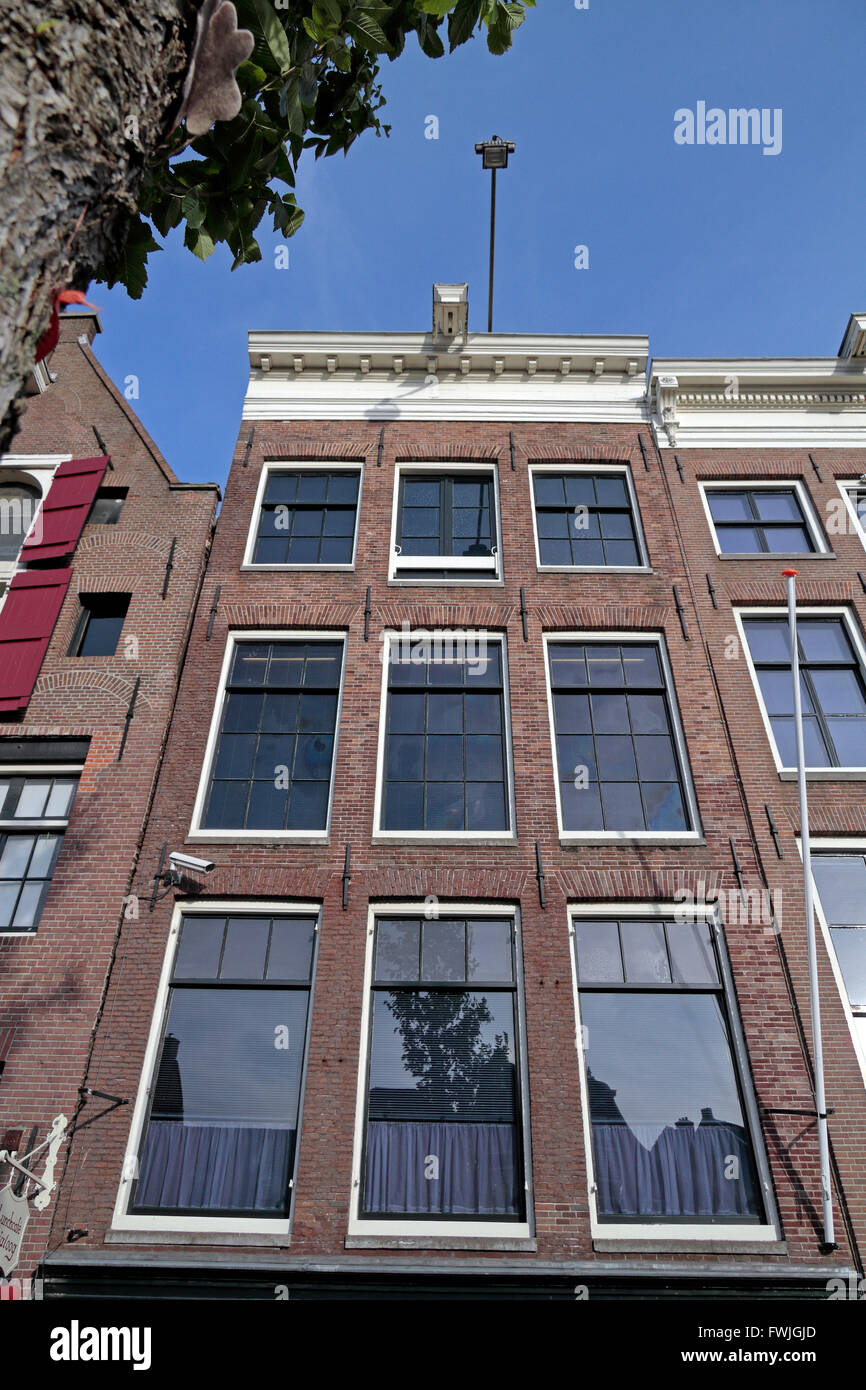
<point x="107" y="506"/>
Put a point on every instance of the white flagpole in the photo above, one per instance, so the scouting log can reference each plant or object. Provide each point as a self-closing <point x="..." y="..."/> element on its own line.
<point x="790" y="577"/>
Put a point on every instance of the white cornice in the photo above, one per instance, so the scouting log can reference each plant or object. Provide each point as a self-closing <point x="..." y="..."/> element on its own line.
<point x="758" y="403"/>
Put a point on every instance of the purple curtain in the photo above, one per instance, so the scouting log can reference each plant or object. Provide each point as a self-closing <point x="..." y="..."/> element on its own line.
<point x="478" y="1171"/>
<point x="678" y="1172"/>
<point x="206" y="1167"/>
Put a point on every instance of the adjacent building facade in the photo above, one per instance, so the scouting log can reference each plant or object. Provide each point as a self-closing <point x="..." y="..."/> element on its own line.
<point x="485" y="972"/>
<point x="102" y="552"/>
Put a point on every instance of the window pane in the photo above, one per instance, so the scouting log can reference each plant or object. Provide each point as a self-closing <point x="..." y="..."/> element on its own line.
<point x="641" y="665"/>
<point x="691" y="951"/>
<point x="443" y="951"/>
<point x="549" y="490"/>
<point x="599" y="960"/>
<point x="623" y="809"/>
<point x="604" y="665"/>
<point x="777" y="506"/>
<point x="483" y="759"/>
<point x="343" y="487"/>
<point x="198" y="953"/>
<point x="8" y="899"/>
<point x="60" y="800"/>
<point x="615" y="759"/>
<point x="421" y="492"/>
<point x="788" y="540"/>
<point x="739" y="540"/>
<point x="32" y="801"/>
<point x="610" y="714"/>
<point x="665" y="1110"/>
<point x="768" y="641"/>
<point x="445" y="759"/>
<point x="44" y="855"/>
<point x="398" y="949"/>
<point x="486" y="807"/>
<point x="444" y="810"/>
<point x="312" y="487"/>
<point x="404" y="806"/>
<point x="610" y="491"/>
<point x="841" y="883"/>
<point x="849" y="741"/>
<point x="490" y="950"/>
<point x="644" y="952"/>
<point x="15" y="856"/>
<point x="291" y="951"/>
<point x="813" y="742"/>
<point x="656" y="759"/>
<point x="850" y="944"/>
<point x="648" y="714"/>
<point x="823" y="640"/>
<point x="29" y="905"/>
<point x="556" y="553"/>
<point x="250" y="664"/>
<point x="664" y="806"/>
<point x="281" y="487"/>
<point x="621" y="553"/>
<point x="839" y="692"/>
<point x="729" y="506"/>
<point x="246" y="945"/>
<point x="581" y="807"/>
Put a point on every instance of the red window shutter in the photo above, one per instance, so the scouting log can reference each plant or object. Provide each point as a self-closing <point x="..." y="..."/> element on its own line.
<point x="54" y="534"/>
<point x="27" y="621"/>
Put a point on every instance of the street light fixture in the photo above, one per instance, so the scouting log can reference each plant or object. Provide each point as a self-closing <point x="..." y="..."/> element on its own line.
<point x="494" y="155"/>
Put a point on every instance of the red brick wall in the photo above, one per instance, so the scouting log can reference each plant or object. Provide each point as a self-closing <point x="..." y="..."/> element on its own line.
<point x="489" y="872"/>
<point x="52" y="983"/>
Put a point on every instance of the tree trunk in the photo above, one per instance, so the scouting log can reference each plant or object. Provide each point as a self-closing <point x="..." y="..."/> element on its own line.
<point x="87" y="91"/>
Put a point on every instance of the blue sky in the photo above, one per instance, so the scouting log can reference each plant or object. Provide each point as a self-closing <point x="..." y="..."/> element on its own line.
<point x="710" y="250"/>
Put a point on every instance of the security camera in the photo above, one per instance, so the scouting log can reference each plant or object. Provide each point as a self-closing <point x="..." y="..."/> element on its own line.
<point x="189" y="863"/>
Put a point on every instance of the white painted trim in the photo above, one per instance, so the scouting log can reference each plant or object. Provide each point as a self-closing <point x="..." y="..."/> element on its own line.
<point x="748" y="484"/>
<point x="835" y="845"/>
<point x="37" y="470"/>
<point x="846" y="486"/>
<point x="662" y="1232"/>
<point x="479" y="563"/>
<point x="272" y="466"/>
<point x="837" y="611"/>
<point x="221" y="1225"/>
<point x="623" y="836"/>
<point x="583" y="467"/>
<point x="436" y="1230"/>
<point x="444" y="836"/>
<point x="233" y="638"/>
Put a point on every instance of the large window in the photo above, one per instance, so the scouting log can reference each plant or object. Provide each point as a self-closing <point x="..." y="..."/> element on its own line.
<point x="443" y="1135"/>
<point x="841" y="883"/>
<point x="670" y="1139"/>
<point x="756" y="520"/>
<point x="273" y="755"/>
<point x="618" y="766"/>
<point x="307" y="517"/>
<point x="445" y="526"/>
<point x="586" y="519"/>
<point x="19" y="503"/>
<point x="33" y="816"/>
<point x="832" y="689"/>
<point x="221" y="1129"/>
<point x="445" y="762"/>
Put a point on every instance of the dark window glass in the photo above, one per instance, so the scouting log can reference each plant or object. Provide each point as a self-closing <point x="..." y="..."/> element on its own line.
<point x="308" y="518"/>
<point x="832" y="686"/>
<point x="759" y="521"/>
<point x="107" y="506"/>
<point x="450" y="515"/>
<point x="585" y="519"/>
<point x="616" y="758"/>
<point x="19" y="503"/>
<point x="33" y="815"/>
<point x="669" y="1137"/>
<point x="100" y="625"/>
<point x="220" y="1137"/>
<point x="274" y="757"/>
<point x="445" y="754"/>
<point x="443" y="1137"/>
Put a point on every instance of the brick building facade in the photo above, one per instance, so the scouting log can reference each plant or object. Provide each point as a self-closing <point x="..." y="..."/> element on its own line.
<point x="467" y="1000"/>
<point x="86" y="692"/>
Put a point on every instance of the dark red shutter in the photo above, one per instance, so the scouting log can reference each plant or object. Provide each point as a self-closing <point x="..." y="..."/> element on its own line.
<point x="54" y="534"/>
<point x="27" y="621"/>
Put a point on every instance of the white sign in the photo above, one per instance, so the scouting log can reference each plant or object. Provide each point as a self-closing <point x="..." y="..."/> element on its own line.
<point x="14" y="1215"/>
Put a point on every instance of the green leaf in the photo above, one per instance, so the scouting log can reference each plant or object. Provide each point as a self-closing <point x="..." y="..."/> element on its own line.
<point x="463" y="21"/>
<point x="131" y="268"/>
<point x="308" y="87"/>
<point x="428" y="38"/>
<point x="198" y="241"/>
<point x="193" y="210"/>
<point x="274" y="33"/>
<point x="290" y="105"/>
<point x="366" y="31"/>
<point x="438" y="7"/>
<point x="327" y="14"/>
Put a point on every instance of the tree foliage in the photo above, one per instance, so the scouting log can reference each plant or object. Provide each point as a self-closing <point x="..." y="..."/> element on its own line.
<point x="311" y="83"/>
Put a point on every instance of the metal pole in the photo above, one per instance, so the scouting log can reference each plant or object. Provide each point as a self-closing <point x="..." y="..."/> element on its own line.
<point x="815" y="1003"/>
<point x="492" y="242"/>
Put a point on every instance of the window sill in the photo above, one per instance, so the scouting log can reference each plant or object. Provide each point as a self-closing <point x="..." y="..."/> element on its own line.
<point x="442" y="583"/>
<point x="698" y="1245"/>
<point x="799" y="555"/>
<point x="825" y="774"/>
<point x="296" y="569"/>
<point x="394" y="1242"/>
<point x="615" y="838"/>
<point x="256" y="837"/>
<point x="172" y="1236"/>
<point x="595" y="569"/>
<point x="422" y="839"/>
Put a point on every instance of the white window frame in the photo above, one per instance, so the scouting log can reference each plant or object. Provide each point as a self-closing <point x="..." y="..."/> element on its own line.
<point x="479" y="569"/>
<point x="234" y="638"/>
<point x="837" y="845"/>
<point x="596" y="638"/>
<point x="216" y="1226"/>
<point x="658" y="1231"/>
<point x="616" y="469"/>
<point x="846" y="486"/>
<point x="36" y="770"/>
<point x="460" y="837"/>
<point x="435" y="1231"/>
<point x="789" y="772"/>
<point x="746" y="484"/>
<point x="272" y="466"/>
<point x="35" y="470"/>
